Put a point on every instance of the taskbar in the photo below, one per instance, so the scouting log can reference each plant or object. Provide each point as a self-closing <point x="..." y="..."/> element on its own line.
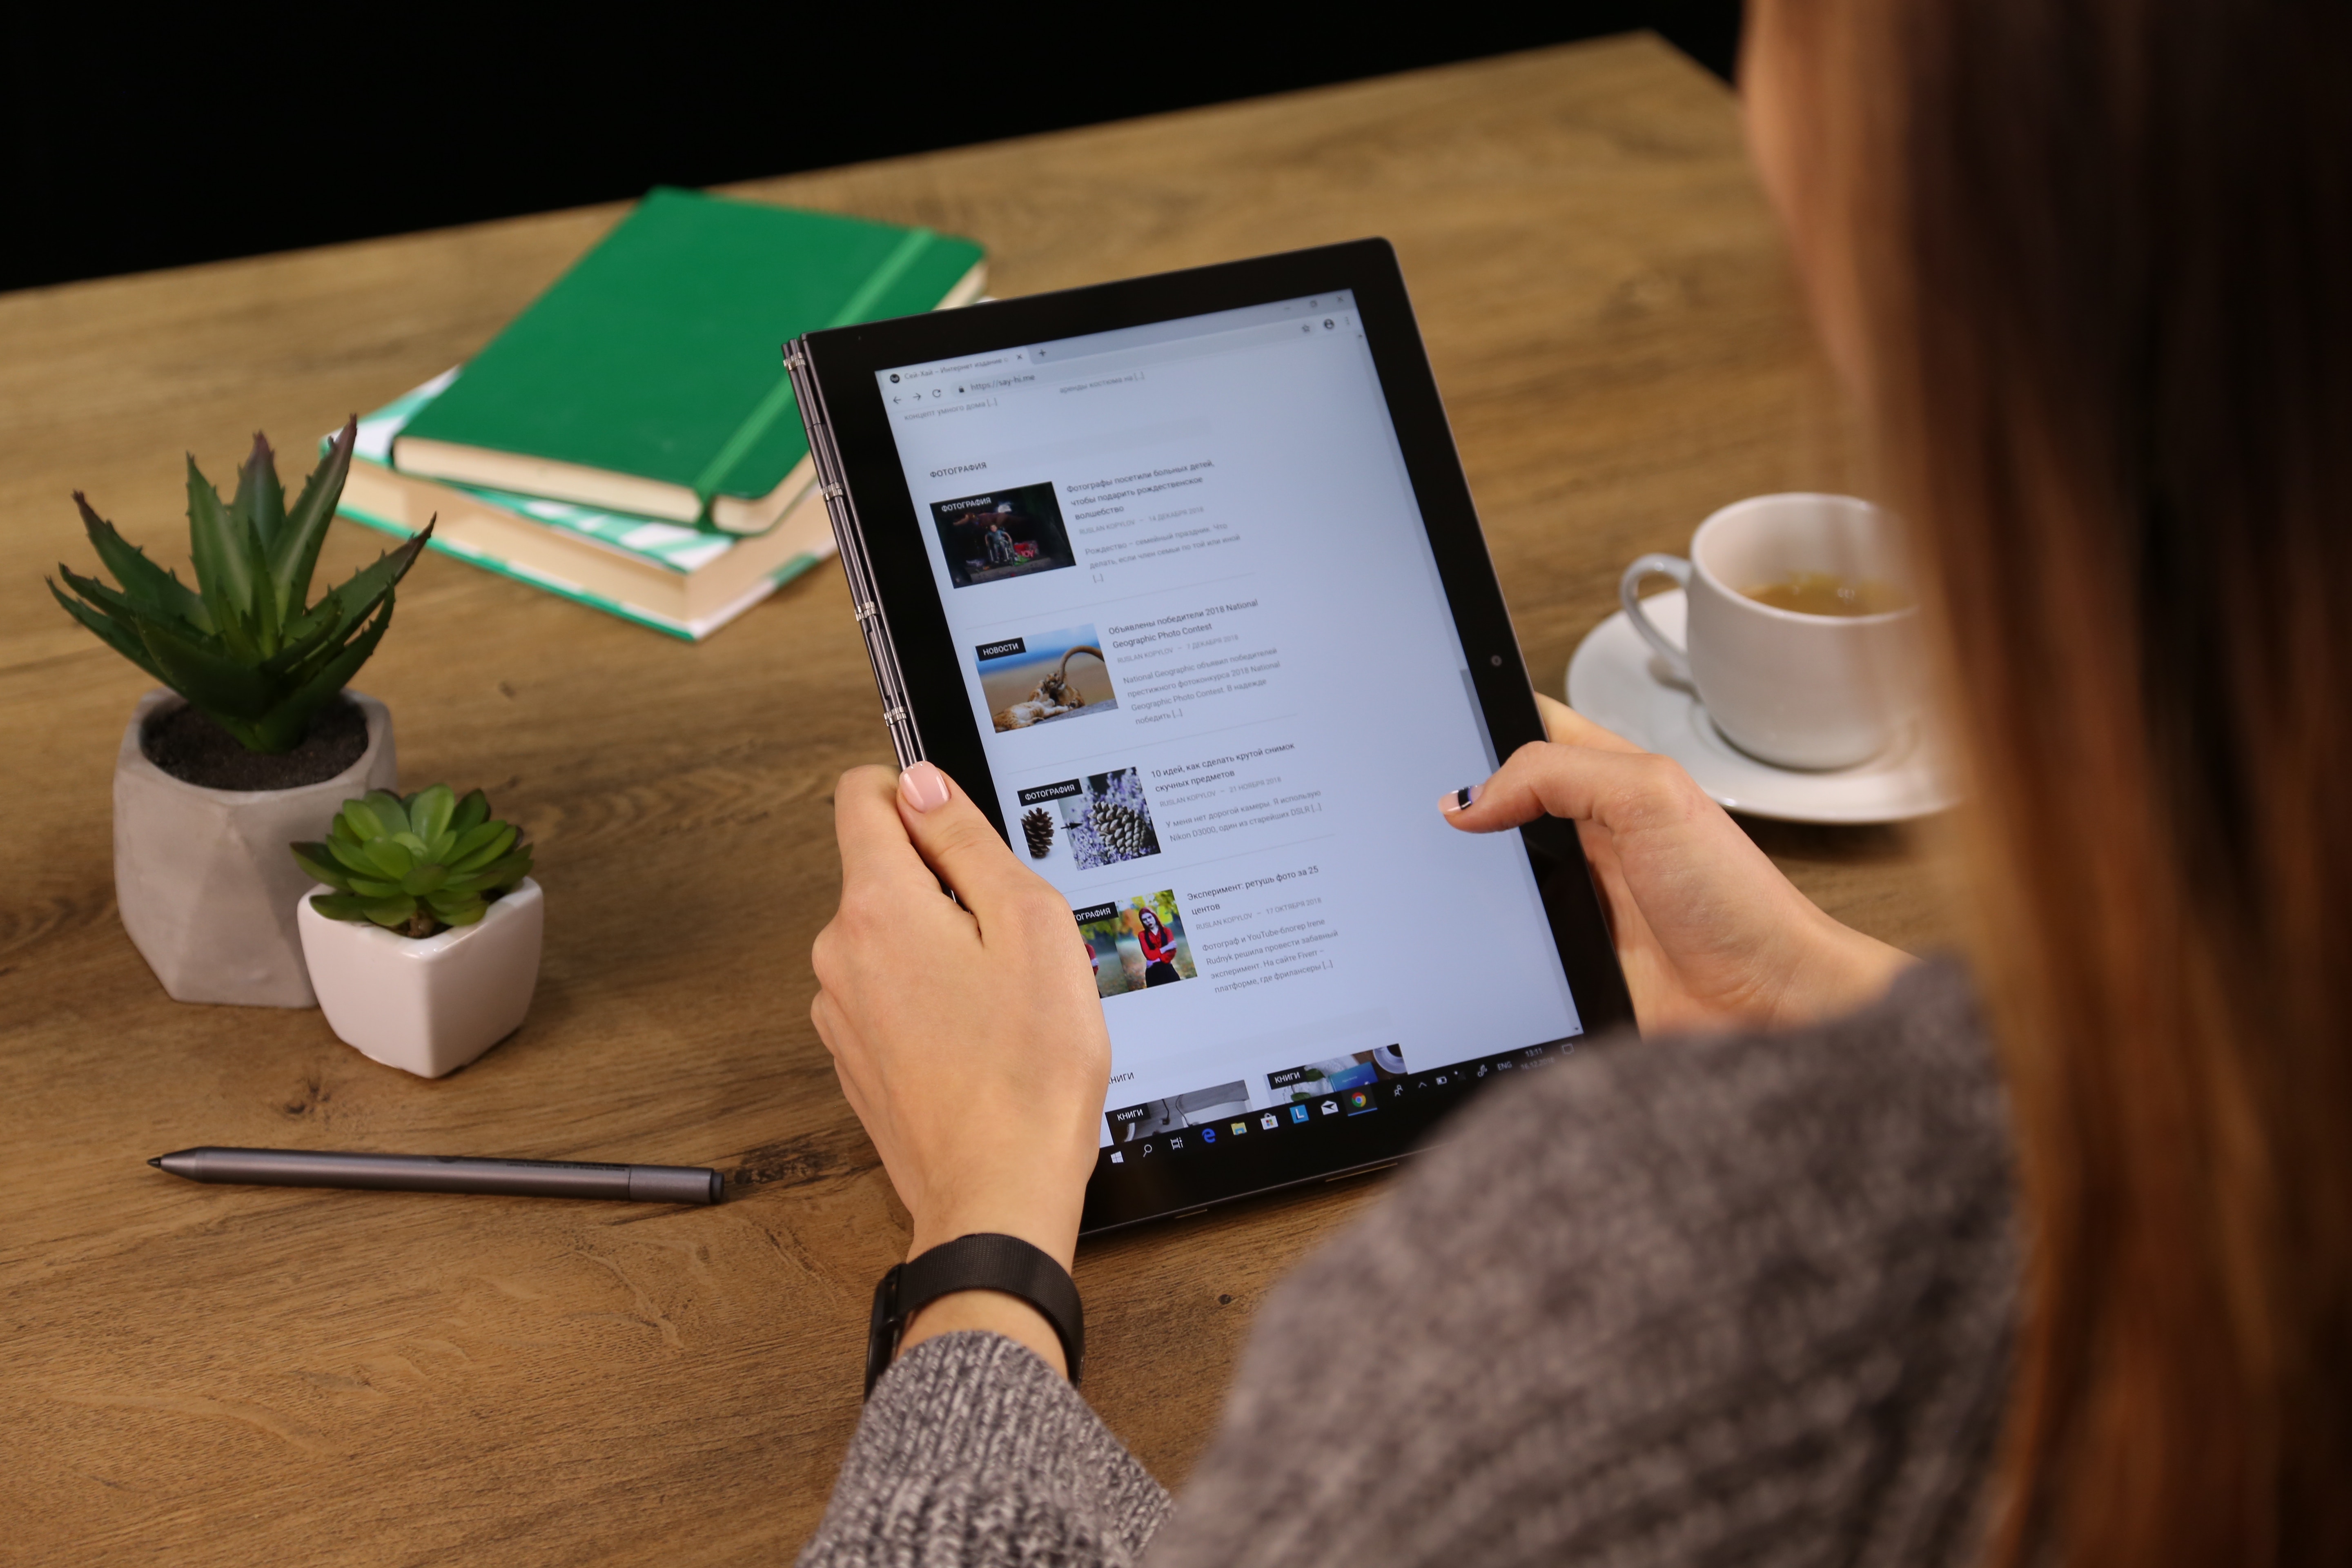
<point x="1311" y="1137"/>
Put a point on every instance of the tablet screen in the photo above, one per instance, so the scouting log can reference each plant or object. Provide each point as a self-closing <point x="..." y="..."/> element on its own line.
<point x="1220" y="688"/>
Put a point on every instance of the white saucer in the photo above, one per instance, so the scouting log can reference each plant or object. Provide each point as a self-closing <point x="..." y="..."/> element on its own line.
<point x="1615" y="681"/>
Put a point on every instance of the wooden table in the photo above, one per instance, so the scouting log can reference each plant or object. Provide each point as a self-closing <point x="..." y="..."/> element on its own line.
<point x="215" y="1375"/>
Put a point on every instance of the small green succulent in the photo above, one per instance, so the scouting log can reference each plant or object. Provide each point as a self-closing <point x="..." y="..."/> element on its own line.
<point x="245" y="646"/>
<point x="415" y="865"/>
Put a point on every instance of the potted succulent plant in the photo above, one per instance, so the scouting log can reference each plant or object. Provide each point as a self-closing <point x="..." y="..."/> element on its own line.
<point x="424" y="939"/>
<point x="252" y="739"/>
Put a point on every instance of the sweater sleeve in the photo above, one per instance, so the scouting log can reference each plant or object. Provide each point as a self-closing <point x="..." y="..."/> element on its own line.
<point x="974" y="1452"/>
<point x="1711" y="1300"/>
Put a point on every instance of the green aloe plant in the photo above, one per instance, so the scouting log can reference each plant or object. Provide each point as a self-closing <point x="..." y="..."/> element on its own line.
<point x="244" y="645"/>
<point x="415" y="865"/>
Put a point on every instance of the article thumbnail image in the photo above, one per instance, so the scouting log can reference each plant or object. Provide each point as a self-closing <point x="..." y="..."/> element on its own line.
<point x="1031" y="681"/>
<point x="1362" y="1069"/>
<point x="1004" y="533"/>
<point x="1108" y="820"/>
<point x="1136" y="943"/>
<point x="1196" y="1108"/>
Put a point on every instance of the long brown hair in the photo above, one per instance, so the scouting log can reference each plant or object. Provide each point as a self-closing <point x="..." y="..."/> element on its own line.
<point x="2101" y="258"/>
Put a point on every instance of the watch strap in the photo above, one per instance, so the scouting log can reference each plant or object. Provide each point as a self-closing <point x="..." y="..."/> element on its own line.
<point x="984" y="1261"/>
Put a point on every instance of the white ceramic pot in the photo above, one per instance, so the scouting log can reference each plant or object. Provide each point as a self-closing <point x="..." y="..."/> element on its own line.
<point x="203" y="877"/>
<point x="431" y="1005"/>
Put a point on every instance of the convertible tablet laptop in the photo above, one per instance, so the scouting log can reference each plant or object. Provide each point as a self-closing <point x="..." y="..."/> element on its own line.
<point x="1180" y="577"/>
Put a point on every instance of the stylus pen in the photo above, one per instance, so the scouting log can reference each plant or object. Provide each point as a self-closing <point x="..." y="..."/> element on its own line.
<point x="444" y="1173"/>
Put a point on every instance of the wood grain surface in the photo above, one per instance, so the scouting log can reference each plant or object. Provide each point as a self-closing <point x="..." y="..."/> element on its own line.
<point x="201" y="1376"/>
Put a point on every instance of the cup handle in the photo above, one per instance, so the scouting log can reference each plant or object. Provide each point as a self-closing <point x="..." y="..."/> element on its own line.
<point x="1678" y="659"/>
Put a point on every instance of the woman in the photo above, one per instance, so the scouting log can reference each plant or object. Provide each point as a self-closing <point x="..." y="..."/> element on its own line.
<point x="1846" y="1285"/>
<point x="1158" y="945"/>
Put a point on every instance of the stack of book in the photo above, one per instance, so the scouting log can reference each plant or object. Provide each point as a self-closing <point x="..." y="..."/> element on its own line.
<point x="630" y="441"/>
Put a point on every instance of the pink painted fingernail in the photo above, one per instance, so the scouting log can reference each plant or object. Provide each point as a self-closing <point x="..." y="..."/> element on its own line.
<point x="923" y="787"/>
<point x="1453" y="800"/>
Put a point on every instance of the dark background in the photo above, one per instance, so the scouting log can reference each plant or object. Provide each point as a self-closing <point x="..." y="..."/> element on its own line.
<point x="145" y="139"/>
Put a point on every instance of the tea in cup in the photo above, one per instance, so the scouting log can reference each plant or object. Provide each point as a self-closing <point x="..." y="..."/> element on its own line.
<point x="1829" y="593"/>
<point x="1803" y="628"/>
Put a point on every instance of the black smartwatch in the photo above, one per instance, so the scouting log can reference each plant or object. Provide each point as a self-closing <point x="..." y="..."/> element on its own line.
<point x="981" y="1262"/>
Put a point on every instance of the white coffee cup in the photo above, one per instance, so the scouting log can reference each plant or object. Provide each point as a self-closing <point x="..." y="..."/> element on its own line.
<point x="1795" y="689"/>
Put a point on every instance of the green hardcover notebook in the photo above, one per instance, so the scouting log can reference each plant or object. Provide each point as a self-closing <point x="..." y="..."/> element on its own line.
<point x="675" y="578"/>
<point x="650" y="379"/>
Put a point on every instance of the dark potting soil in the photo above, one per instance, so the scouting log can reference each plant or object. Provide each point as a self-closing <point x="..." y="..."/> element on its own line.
<point x="190" y="747"/>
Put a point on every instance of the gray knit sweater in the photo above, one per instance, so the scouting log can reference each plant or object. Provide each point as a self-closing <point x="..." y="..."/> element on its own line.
<point x="1744" y="1299"/>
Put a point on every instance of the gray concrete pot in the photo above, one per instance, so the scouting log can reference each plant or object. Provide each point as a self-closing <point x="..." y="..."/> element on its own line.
<point x="203" y="877"/>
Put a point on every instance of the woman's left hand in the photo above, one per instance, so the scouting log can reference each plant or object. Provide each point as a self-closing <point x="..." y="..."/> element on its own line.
<point x="1709" y="932"/>
<point x="969" y="1036"/>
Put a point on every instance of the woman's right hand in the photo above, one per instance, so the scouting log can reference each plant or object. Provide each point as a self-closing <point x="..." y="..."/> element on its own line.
<point x="967" y="1031"/>
<point x="1709" y="932"/>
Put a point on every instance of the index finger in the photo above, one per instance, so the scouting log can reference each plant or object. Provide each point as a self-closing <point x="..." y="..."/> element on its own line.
<point x="1567" y="726"/>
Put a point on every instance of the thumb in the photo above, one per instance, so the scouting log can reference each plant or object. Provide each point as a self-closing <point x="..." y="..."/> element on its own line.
<point x="1619" y="790"/>
<point x="955" y="838"/>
